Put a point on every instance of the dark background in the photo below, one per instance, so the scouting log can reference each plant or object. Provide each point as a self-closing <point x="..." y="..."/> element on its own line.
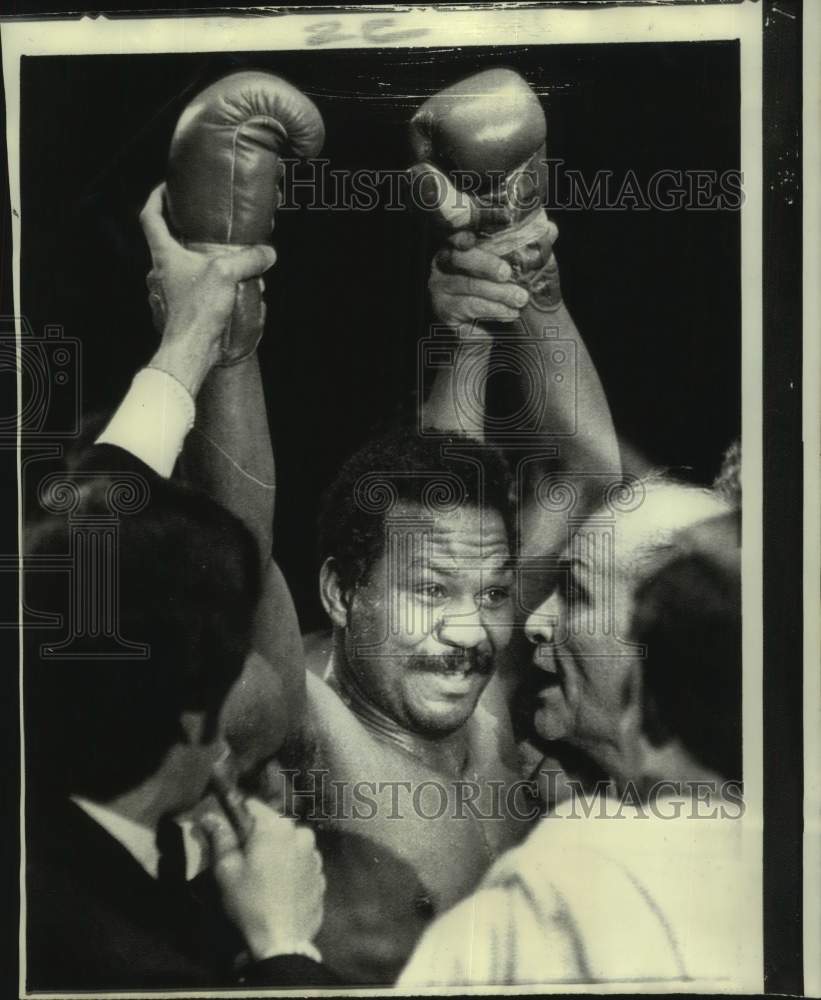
<point x="655" y="294"/>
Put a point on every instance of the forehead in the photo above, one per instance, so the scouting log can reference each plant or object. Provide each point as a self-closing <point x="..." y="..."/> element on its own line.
<point x="460" y="539"/>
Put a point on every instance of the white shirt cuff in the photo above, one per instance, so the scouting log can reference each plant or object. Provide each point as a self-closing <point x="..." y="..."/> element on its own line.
<point x="153" y="420"/>
<point x="296" y="948"/>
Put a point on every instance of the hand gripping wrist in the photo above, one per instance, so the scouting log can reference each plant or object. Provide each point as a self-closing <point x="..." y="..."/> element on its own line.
<point x="528" y="247"/>
<point x="481" y="165"/>
<point x="243" y="333"/>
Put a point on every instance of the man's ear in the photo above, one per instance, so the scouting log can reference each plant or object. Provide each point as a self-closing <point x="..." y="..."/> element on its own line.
<point x="333" y="597"/>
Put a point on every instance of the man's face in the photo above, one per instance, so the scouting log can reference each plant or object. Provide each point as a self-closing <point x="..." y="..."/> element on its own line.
<point x="424" y="629"/>
<point x="585" y="679"/>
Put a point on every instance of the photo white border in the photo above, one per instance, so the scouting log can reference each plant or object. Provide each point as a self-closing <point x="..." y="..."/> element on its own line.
<point x="513" y="24"/>
<point x="811" y="379"/>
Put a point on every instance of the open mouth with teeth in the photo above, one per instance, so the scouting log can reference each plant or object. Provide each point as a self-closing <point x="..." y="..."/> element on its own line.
<point x="451" y="666"/>
<point x="451" y="676"/>
<point x="549" y="708"/>
<point x="451" y="683"/>
<point x="458" y="670"/>
<point x="547" y="675"/>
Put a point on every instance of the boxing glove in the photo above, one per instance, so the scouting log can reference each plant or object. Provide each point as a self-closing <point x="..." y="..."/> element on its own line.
<point x="224" y="173"/>
<point x="481" y="150"/>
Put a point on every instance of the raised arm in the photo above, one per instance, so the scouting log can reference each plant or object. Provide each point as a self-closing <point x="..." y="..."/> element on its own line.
<point x="575" y="425"/>
<point x="470" y="291"/>
<point x="224" y="169"/>
<point x="228" y="454"/>
<point x="481" y="149"/>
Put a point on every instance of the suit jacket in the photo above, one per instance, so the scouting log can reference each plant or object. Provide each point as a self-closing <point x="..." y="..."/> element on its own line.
<point x="96" y="920"/>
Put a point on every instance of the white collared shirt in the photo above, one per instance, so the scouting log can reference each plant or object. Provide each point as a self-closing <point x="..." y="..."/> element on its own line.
<point x="139" y="840"/>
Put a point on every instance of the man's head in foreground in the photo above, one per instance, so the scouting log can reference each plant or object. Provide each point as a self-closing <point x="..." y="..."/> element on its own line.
<point x="185" y="585"/>
<point x="688" y="616"/>
<point x="588" y="655"/>
<point x="416" y="578"/>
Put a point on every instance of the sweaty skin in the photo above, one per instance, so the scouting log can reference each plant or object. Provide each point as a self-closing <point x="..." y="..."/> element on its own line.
<point x="402" y="840"/>
<point x="384" y="712"/>
<point x="397" y="724"/>
<point x="416" y="746"/>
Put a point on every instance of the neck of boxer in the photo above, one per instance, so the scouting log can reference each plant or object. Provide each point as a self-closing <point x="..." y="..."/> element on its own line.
<point x="447" y="754"/>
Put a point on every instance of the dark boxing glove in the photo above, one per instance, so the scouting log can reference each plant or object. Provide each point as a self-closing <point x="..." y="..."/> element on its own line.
<point x="224" y="171"/>
<point x="481" y="151"/>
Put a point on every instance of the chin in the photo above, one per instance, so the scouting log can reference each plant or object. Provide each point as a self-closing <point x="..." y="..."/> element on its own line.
<point x="547" y="727"/>
<point x="442" y="723"/>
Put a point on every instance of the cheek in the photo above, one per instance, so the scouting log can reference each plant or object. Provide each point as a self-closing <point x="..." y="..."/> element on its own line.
<point x="400" y="623"/>
<point x="500" y="630"/>
<point x="412" y="620"/>
<point x="384" y="634"/>
<point x="624" y="607"/>
<point x="367" y="629"/>
<point x="378" y="614"/>
<point x="373" y="653"/>
<point x="608" y="684"/>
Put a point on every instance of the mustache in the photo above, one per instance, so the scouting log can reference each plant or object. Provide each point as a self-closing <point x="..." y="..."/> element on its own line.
<point x="468" y="659"/>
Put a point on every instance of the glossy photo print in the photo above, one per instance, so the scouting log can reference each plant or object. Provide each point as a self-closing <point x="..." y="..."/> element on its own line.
<point x="391" y="443"/>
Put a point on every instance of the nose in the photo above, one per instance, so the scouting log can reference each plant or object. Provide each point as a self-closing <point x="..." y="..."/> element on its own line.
<point x="540" y="626"/>
<point x="464" y="631"/>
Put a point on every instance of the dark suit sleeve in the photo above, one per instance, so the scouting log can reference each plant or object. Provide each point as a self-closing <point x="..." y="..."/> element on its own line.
<point x="289" y="970"/>
<point x="110" y="458"/>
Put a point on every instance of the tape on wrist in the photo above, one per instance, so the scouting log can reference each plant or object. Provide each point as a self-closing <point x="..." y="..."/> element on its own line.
<point x="530" y="230"/>
<point x="528" y="241"/>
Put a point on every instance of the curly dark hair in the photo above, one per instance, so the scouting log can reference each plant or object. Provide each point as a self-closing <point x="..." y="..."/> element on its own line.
<point x="405" y="467"/>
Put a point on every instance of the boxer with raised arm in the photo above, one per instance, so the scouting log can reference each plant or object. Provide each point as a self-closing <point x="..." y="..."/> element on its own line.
<point x="481" y="150"/>
<point x="416" y="579"/>
<point x="482" y="168"/>
<point x="222" y="192"/>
